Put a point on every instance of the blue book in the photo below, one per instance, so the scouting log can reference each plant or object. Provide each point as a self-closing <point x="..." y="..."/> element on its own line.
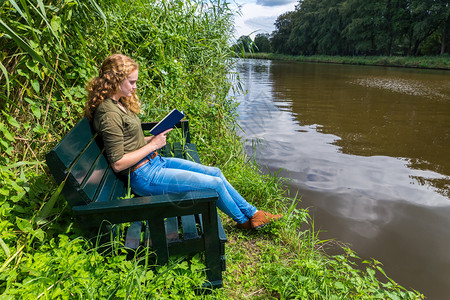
<point x="169" y="121"/>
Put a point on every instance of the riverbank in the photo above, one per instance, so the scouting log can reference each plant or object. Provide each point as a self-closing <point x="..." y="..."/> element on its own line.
<point x="421" y="62"/>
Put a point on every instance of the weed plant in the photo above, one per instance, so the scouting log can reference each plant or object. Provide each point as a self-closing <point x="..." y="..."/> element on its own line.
<point x="49" y="50"/>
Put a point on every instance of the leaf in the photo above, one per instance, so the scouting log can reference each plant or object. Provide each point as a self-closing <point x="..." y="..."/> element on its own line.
<point x="24" y="45"/>
<point x="14" y="4"/>
<point x="6" y="77"/>
<point x="41" y="6"/>
<point x="339" y="285"/>
<point x="100" y="12"/>
<point x="40" y="234"/>
<point x="3" y="267"/>
<point x="22" y="73"/>
<point x="11" y="120"/>
<point x="36" y="111"/>
<point x="24" y="225"/>
<point x="22" y="163"/>
<point x="45" y="211"/>
<point x="35" y="85"/>
<point x="56" y="23"/>
<point x="5" y="248"/>
<point x="8" y="135"/>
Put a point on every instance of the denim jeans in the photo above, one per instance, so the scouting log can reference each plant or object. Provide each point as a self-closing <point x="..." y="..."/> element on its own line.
<point x="164" y="175"/>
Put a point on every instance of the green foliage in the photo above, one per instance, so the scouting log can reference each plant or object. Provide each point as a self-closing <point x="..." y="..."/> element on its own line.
<point x="72" y="268"/>
<point x="262" y="43"/>
<point x="358" y="27"/>
<point x="243" y="45"/>
<point x="50" y="49"/>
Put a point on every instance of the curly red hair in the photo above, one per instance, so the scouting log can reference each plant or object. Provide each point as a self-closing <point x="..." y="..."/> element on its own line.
<point x="113" y="71"/>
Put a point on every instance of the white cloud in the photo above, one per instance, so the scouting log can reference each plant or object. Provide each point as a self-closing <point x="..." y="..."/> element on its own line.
<point x="260" y="16"/>
<point x="274" y="2"/>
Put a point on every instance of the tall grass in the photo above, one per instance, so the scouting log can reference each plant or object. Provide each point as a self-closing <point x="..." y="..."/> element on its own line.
<point x="49" y="50"/>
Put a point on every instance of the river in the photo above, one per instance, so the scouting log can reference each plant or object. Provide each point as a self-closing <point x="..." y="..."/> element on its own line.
<point x="367" y="150"/>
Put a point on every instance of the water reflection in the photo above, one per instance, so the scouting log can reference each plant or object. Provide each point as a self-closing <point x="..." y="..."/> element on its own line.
<point x="390" y="117"/>
<point x="366" y="147"/>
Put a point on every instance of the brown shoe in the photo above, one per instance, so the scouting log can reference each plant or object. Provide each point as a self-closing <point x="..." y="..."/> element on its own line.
<point x="262" y="218"/>
<point x="246" y="225"/>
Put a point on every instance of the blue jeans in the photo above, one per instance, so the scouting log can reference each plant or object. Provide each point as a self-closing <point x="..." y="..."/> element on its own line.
<point x="164" y="175"/>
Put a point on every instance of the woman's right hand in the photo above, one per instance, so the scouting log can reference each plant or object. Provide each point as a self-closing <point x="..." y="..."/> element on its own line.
<point x="159" y="141"/>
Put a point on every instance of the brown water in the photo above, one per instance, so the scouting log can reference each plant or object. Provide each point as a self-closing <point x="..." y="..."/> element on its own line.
<point x="368" y="150"/>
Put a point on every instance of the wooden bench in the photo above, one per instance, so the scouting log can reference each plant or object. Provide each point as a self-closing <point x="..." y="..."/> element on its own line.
<point x="179" y="223"/>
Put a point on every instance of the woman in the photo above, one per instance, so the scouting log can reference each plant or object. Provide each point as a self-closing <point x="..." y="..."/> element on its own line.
<point x="112" y="107"/>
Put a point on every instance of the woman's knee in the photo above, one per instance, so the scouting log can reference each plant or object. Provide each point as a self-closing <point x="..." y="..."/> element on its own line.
<point x="214" y="171"/>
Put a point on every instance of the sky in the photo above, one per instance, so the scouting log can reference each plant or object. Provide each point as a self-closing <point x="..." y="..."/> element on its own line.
<point x="259" y="16"/>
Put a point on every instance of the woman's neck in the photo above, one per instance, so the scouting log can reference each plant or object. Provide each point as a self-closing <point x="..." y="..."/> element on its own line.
<point x="115" y="97"/>
<point x="121" y="106"/>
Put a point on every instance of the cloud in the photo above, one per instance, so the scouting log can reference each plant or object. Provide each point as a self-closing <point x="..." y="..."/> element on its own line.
<point x="255" y="18"/>
<point x="274" y="2"/>
<point x="261" y="24"/>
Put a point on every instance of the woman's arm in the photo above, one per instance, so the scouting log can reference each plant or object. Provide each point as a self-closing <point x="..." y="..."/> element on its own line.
<point x="130" y="159"/>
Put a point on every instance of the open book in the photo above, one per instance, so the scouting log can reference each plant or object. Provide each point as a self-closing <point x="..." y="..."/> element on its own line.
<point x="169" y="121"/>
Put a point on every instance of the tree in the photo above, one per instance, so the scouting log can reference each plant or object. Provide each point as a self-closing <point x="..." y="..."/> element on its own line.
<point x="280" y="37"/>
<point x="262" y="43"/>
<point x="383" y="27"/>
<point x="243" y="44"/>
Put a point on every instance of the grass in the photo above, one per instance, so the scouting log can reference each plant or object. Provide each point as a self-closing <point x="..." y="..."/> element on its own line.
<point x="422" y="62"/>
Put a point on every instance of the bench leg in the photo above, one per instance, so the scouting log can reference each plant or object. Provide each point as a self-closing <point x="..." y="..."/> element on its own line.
<point x="212" y="248"/>
<point x="159" y="241"/>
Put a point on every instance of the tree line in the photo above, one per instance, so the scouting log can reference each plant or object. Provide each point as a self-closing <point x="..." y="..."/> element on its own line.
<point x="358" y="27"/>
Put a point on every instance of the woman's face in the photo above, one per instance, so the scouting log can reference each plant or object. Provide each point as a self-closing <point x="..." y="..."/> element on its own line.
<point x="127" y="86"/>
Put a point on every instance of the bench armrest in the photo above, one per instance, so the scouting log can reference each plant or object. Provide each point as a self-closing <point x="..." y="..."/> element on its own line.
<point x="143" y="208"/>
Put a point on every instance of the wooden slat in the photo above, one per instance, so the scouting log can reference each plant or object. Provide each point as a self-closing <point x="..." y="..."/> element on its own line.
<point x="74" y="142"/>
<point x="72" y="195"/>
<point x="95" y="178"/>
<point x="133" y="237"/>
<point x="189" y="227"/>
<point x="191" y="153"/>
<point x="84" y="163"/>
<point x="119" y="190"/>
<point x="177" y="150"/>
<point x="107" y="186"/>
<point x="147" y="236"/>
<point x="172" y="229"/>
<point x="167" y="150"/>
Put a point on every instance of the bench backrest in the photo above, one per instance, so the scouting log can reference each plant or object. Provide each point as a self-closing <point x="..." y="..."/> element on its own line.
<point x="79" y="159"/>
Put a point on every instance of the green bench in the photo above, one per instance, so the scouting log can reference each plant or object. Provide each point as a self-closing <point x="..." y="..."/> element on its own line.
<point x="173" y="224"/>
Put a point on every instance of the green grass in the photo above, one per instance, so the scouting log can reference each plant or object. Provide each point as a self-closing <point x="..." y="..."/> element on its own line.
<point x="422" y="62"/>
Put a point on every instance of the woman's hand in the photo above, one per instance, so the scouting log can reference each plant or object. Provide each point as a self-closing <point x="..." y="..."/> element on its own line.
<point x="159" y="141"/>
<point x="130" y="159"/>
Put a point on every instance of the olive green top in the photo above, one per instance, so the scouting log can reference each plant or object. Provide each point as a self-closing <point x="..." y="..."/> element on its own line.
<point x="121" y="132"/>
